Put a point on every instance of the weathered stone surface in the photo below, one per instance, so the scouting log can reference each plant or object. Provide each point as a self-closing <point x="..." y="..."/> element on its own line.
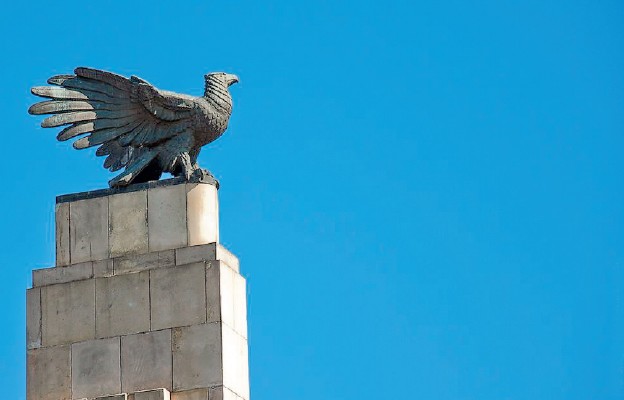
<point x="157" y="394"/>
<point x="240" y="305"/>
<point x="202" y="208"/>
<point x="49" y="374"/>
<point x="128" y="223"/>
<point x="103" y="268"/>
<point x="88" y="230"/>
<point x="222" y="393"/>
<point x="142" y="262"/>
<point x="197" y="357"/>
<point x="233" y="299"/>
<point x="33" y="318"/>
<point x="235" y="362"/>
<point x="62" y="234"/>
<point x="206" y="252"/>
<point x="178" y="296"/>
<point x="146" y="362"/>
<point x="96" y="368"/>
<point x="122" y="396"/>
<point x="68" y="312"/>
<point x="167" y="217"/>
<point x="195" y="394"/>
<point x="70" y="273"/>
<point x="213" y="291"/>
<point x="122" y="305"/>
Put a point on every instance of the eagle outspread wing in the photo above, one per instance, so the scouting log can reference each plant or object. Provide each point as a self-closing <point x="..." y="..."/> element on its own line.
<point x="131" y="120"/>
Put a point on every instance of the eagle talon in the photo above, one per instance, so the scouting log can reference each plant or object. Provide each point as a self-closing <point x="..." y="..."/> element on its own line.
<point x="201" y="175"/>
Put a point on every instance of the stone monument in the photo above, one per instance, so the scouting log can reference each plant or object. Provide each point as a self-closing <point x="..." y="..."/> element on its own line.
<point x="143" y="302"/>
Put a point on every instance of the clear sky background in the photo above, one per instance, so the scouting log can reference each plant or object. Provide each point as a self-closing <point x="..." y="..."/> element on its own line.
<point x="426" y="196"/>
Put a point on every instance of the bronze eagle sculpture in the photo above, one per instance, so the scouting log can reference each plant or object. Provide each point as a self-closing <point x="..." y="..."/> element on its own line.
<point x="138" y="127"/>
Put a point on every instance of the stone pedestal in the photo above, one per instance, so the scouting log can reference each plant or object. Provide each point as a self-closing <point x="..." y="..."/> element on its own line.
<point x="143" y="302"/>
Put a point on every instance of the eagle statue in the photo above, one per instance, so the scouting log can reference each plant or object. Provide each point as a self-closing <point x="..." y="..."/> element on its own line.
<point x="138" y="127"/>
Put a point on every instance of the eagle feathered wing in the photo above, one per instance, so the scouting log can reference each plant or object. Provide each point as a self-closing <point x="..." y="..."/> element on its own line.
<point x="127" y="118"/>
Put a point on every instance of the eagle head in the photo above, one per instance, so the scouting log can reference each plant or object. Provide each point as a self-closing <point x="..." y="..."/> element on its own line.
<point x="222" y="78"/>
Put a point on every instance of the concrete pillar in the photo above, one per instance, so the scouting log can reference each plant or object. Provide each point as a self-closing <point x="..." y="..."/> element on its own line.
<point x="143" y="303"/>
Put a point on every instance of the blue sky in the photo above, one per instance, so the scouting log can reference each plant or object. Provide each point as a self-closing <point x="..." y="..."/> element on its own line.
<point x="426" y="197"/>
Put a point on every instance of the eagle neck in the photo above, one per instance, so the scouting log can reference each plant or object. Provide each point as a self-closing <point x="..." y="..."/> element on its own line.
<point x="217" y="94"/>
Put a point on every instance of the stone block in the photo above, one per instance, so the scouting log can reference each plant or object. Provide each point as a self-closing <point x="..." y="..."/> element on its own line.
<point x="62" y="233"/>
<point x="70" y="273"/>
<point x="33" y="318"/>
<point x="166" y="215"/>
<point x="222" y="393"/>
<point x="103" y="268"/>
<point x="96" y="368"/>
<point x="202" y="214"/>
<point x="122" y="305"/>
<point x="206" y="252"/>
<point x="213" y="291"/>
<point x="142" y="262"/>
<point x="233" y="298"/>
<point x="146" y="362"/>
<point x="88" y="220"/>
<point x="128" y="223"/>
<point x="49" y="374"/>
<point x="68" y="312"/>
<point x="235" y="362"/>
<point x="178" y="296"/>
<point x="157" y="394"/>
<point x="240" y="305"/>
<point x="196" y="394"/>
<point x="122" y="396"/>
<point x="197" y="357"/>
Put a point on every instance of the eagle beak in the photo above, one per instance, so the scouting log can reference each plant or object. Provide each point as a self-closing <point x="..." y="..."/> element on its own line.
<point x="231" y="79"/>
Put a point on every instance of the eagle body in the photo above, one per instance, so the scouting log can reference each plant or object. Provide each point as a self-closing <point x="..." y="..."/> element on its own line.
<point x="137" y="127"/>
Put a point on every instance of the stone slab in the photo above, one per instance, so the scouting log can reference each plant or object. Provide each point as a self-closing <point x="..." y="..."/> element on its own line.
<point x="49" y="374"/>
<point x="178" y="296"/>
<point x="157" y="394"/>
<point x="103" y="268"/>
<point x="206" y="252"/>
<point x="197" y="357"/>
<point x="222" y="393"/>
<point x="196" y="394"/>
<point x="122" y="396"/>
<point x="233" y="299"/>
<point x="235" y="362"/>
<point x="70" y="273"/>
<point x="213" y="291"/>
<point x="33" y="318"/>
<point x="142" y="262"/>
<point x="96" y="368"/>
<point x="202" y="214"/>
<point x="88" y="227"/>
<point x="68" y="312"/>
<point x="166" y="215"/>
<point x="146" y="362"/>
<point x="128" y="223"/>
<point x="122" y="305"/>
<point x="62" y="234"/>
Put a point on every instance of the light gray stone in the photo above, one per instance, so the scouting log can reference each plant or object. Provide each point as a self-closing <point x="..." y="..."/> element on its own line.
<point x="233" y="299"/>
<point x="70" y="273"/>
<point x="33" y="318"/>
<point x="197" y="357"/>
<point x="213" y="291"/>
<point x="166" y="215"/>
<point x="88" y="237"/>
<point x="96" y="368"/>
<point x="122" y="304"/>
<point x="103" y="268"/>
<point x="178" y="296"/>
<point x="235" y="362"/>
<point x="222" y="393"/>
<point x="122" y="396"/>
<point x="195" y="394"/>
<point x="49" y="374"/>
<point x="199" y="253"/>
<point x="202" y="214"/>
<point x="240" y="305"/>
<point x="128" y="223"/>
<point x="62" y="233"/>
<point x="157" y="394"/>
<point x="142" y="262"/>
<point x="68" y="312"/>
<point x="206" y="252"/>
<point x="146" y="362"/>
